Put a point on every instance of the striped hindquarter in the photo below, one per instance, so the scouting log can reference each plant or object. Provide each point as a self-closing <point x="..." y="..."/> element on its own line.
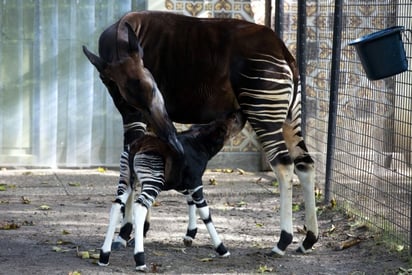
<point x="269" y="96"/>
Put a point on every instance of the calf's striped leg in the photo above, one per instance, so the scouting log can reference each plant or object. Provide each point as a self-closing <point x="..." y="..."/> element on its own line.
<point x="127" y="224"/>
<point x="192" y="225"/>
<point x="124" y="190"/>
<point x="150" y="173"/>
<point x="204" y="213"/>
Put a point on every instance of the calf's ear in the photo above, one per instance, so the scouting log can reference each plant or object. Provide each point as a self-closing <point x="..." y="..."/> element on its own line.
<point x="99" y="63"/>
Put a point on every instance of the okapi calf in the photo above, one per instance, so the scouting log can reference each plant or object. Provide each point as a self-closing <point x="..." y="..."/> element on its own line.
<point x="159" y="168"/>
<point x="192" y="70"/>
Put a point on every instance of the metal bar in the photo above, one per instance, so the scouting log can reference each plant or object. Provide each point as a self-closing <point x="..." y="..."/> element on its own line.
<point x="268" y="13"/>
<point x="333" y="98"/>
<point x="301" y="58"/>
<point x="279" y="18"/>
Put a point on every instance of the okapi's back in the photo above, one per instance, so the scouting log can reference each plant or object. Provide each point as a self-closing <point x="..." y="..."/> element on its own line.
<point x="196" y="62"/>
<point x="221" y="36"/>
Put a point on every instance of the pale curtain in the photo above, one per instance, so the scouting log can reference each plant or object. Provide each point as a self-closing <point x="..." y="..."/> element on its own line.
<point x="54" y="110"/>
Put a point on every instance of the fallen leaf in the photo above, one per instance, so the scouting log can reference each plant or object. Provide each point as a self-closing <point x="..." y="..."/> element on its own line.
<point x="75" y="273"/>
<point x="259" y="224"/>
<point x="295" y="207"/>
<point x="5" y="186"/>
<point x="44" y="207"/>
<point x="95" y="256"/>
<point x="240" y="171"/>
<point x="65" y="232"/>
<point x="28" y="173"/>
<point x="25" y="200"/>
<point x="212" y="181"/>
<point x="9" y="225"/>
<point x="258" y="180"/>
<point x="206" y="259"/>
<point x="264" y="268"/>
<point x="346" y="244"/>
<point x="156" y="203"/>
<point x="333" y="203"/>
<point x="57" y="249"/>
<point x="83" y="254"/>
<point x="225" y="170"/>
<point x="318" y="193"/>
<point x="101" y="170"/>
<point x="74" y="184"/>
<point x="399" y="248"/>
<point x="62" y="242"/>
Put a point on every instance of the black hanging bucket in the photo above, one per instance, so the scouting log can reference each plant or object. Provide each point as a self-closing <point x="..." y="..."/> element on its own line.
<point x="382" y="53"/>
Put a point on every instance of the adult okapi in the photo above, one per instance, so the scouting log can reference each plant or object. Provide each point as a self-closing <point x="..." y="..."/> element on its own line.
<point x="193" y="70"/>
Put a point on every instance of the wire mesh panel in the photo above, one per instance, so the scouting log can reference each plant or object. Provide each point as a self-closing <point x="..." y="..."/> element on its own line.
<point x="371" y="174"/>
<point x="319" y="50"/>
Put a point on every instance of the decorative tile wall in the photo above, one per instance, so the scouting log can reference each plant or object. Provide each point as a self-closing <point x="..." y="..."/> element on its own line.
<point x="240" y="9"/>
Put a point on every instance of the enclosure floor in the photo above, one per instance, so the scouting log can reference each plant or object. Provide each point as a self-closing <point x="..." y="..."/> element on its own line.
<point x="52" y="215"/>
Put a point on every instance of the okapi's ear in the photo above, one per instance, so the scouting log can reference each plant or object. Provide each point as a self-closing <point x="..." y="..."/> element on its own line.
<point x="99" y="63"/>
<point x="134" y="45"/>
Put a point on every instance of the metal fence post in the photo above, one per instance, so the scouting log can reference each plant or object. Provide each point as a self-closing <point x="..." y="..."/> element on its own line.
<point x="301" y="58"/>
<point x="279" y="18"/>
<point x="333" y="98"/>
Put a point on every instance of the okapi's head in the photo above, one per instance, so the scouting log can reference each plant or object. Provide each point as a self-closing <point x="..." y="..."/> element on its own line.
<point x="137" y="86"/>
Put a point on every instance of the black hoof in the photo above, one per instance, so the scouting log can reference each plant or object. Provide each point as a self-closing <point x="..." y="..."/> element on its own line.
<point x="222" y="251"/>
<point x="142" y="268"/>
<point x="104" y="258"/>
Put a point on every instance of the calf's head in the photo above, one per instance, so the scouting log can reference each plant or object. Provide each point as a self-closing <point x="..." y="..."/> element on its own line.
<point x="214" y="134"/>
<point x="136" y="85"/>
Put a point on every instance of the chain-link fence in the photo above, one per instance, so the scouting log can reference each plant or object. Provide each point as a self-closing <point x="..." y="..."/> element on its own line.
<point x="358" y="130"/>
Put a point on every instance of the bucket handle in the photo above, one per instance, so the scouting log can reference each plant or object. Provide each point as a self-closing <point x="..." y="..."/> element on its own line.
<point x="407" y="30"/>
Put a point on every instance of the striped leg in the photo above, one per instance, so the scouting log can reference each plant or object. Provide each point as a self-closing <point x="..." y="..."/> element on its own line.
<point x="204" y="213"/>
<point x="192" y="226"/>
<point x="305" y="170"/>
<point x="124" y="190"/>
<point x="268" y="97"/>
<point x="150" y="172"/>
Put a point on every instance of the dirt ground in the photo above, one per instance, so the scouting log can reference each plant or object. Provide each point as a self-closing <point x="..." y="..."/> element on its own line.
<point x="49" y="218"/>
